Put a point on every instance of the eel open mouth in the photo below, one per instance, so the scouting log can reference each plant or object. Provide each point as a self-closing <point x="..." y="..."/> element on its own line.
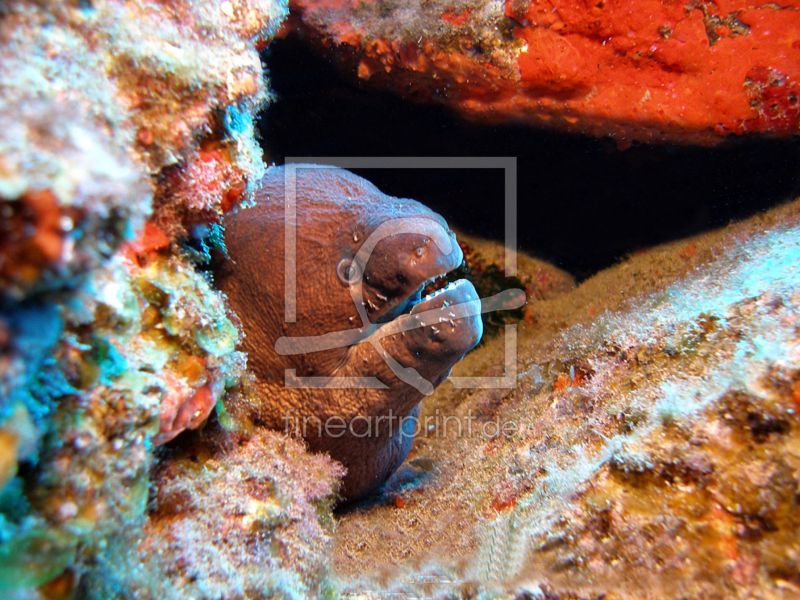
<point x="449" y="315"/>
<point x="405" y="286"/>
<point x="458" y="290"/>
<point x="455" y="307"/>
<point x="407" y="305"/>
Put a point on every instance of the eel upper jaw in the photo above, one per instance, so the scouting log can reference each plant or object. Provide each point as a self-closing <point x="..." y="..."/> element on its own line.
<point x="385" y="307"/>
<point x="406" y="304"/>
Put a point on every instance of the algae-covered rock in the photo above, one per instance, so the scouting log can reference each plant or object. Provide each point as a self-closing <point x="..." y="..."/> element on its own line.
<point x="34" y="557"/>
<point x="648" y="446"/>
<point x="69" y="193"/>
<point x="111" y="341"/>
<point x="597" y="68"/>
<point x="239" y="522"/>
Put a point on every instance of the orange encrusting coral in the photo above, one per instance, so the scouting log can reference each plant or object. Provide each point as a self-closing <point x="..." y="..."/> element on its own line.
<point x="32" y="238"/>
<point x="642" y="70"/>
<point x="671" y="65"/>
<point x="148" y="242"/>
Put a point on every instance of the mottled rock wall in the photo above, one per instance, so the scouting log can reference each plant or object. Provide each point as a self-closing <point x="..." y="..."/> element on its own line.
<point x="124" y="126"/>
<point x="644" y="70"/>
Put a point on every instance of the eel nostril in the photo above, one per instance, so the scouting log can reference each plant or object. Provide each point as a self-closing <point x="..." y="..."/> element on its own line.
<point x="420" y="251"/>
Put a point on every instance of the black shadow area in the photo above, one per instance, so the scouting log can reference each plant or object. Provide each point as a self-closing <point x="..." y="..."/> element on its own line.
<point x="582" y="203"/>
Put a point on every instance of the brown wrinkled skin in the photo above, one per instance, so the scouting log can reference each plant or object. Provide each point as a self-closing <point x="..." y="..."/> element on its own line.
<point x="336" y="212"/>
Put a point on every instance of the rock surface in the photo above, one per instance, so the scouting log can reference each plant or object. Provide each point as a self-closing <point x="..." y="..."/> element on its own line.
<point x="123" y="125"/>
<point x="642" y="70"/>
<point x="236" y="522"/>
<point x="647" y="444"/>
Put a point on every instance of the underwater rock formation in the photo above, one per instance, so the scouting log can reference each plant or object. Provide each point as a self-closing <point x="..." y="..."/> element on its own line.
<point x="111" y="341"/>
<point x="647" y="445"/>
<point x="652" y="445"/>
<point x="98" y="96"/>
<point x="237" y="522"/>
<point x="641" y="70"/>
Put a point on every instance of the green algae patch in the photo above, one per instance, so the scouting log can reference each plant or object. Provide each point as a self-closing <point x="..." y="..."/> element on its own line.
<point x="34" y="558"/>
<point x="219" y="340"/>
<point x="110" y="362"/>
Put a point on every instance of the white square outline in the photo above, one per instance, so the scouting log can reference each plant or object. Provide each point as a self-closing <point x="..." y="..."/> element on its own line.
<point x="509" y="166"/>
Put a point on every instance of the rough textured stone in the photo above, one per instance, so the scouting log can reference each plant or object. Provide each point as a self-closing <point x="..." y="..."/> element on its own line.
<point x="647" y="446"/>
<point x="633" y="69"/>
<point x="111" y="342"/>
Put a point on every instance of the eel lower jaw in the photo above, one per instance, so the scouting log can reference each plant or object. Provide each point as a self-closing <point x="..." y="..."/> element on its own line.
<point x="416" y="303"/>
<point x="439" y="329"/>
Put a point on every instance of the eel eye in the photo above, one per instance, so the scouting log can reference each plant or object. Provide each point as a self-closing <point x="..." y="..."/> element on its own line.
<point x="347" y="271"/>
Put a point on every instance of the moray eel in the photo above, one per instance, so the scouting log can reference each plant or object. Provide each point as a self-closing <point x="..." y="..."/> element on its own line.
<point x="348" y="370"/>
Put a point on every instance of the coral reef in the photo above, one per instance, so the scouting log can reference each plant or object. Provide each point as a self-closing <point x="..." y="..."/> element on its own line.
<point x="647" y="445"/>
<point x="69" y="193"/>
<point x="232" y="523"/>
<point x="96" y="97"/>
<point x="647" y="448"/>
<point x="125" y="126"/>
<point x="638" y="70"/>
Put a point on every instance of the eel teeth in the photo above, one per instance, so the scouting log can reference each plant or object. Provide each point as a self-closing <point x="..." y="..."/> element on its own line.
<point x="449" y="286"/>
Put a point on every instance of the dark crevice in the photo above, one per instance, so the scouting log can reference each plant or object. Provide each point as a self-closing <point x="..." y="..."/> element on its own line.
<point x="582" y="203"/>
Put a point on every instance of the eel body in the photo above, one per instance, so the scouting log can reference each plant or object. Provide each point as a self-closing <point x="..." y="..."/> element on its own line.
<point x="347" y="366"/>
